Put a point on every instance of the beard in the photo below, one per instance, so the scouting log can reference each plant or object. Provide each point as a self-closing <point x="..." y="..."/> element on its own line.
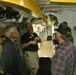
<point x="55" y="42"/>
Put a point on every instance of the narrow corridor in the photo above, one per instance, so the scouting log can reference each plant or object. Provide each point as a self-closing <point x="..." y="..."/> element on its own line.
<point x="46" y="49"/>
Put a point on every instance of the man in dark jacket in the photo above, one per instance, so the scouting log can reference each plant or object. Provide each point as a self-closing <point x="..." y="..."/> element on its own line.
<point x="11" y="60"/>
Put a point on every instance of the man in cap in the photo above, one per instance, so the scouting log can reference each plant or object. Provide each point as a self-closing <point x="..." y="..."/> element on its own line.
<point x="66" y="29"/>
<point x="64" y="60"/>
<point x="64" y="23"/>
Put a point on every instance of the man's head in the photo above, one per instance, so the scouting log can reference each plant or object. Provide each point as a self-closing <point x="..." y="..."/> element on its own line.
<point x="65" y="24"/>
<point x="63" y="30"/>
<point x="29" y="27"/>
<point x="11" y="32"/>
<point x="62" y="33"/>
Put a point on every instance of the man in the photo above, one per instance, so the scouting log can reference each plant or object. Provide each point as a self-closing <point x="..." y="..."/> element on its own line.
<point x="30" y="45"/>
<point x="64" y="60"/>
<point x="11" y="60"/>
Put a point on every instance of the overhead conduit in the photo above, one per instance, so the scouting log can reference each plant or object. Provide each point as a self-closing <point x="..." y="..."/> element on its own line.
<point x="64" y="1"/>
<point x="28" y="6"/>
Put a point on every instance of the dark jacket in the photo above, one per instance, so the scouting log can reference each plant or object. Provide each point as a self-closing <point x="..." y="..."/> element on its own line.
<point x="11" y="59"/>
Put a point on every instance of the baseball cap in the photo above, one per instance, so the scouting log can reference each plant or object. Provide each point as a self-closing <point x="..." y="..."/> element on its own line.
<point x="63" y="30"/>
<point x="64" y="24"/>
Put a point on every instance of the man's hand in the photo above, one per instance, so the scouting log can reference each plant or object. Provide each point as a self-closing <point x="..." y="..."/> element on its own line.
<point x="33" y="42"/>
<point x="36" y="39"/>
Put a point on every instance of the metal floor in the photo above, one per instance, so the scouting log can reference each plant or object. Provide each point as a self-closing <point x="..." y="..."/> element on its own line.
<point x="46" y="49"/>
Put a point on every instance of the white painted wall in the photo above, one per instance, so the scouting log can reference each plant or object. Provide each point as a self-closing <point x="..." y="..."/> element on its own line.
<point x="68" y="15"/>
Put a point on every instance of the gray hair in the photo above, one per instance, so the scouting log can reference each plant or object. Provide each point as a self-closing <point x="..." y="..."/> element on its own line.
<point x="8" y="30"/>
<point x="67" y="37"/>
<point x="63" y="37"/>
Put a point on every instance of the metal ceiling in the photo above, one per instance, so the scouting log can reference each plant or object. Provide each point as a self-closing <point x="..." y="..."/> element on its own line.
<point x="41" y="2"/>
<point x="46" y="5"/>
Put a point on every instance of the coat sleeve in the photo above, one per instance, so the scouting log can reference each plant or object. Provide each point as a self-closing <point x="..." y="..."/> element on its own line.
<point x="6" y="58"/>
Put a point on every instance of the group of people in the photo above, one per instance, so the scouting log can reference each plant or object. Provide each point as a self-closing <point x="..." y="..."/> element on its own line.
<point x="62" y="63"/>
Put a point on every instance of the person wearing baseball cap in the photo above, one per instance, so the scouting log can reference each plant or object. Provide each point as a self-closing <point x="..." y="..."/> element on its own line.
<point x="63" y="62"/>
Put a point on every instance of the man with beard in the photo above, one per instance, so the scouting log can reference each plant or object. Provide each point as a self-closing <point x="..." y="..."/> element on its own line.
<point x="64" y="60"/>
